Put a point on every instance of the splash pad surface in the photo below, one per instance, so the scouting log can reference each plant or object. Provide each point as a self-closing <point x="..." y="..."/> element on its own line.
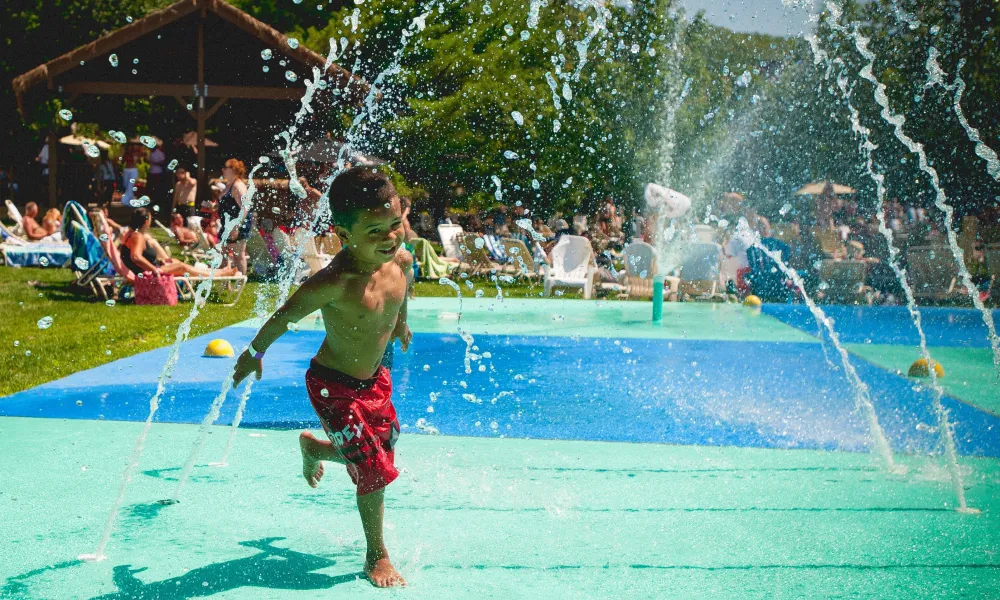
<point x="662" y="465"/>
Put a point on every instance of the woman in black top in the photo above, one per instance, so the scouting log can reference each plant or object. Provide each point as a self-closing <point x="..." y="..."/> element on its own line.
<point x="230" y="206"/>
<point x="139" y="257"/>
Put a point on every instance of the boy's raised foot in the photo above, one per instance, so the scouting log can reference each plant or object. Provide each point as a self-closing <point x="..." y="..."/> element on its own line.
<point x="312" y="468"/>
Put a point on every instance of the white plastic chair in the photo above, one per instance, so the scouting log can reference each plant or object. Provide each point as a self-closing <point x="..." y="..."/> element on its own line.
<point x="640" y="267"/>
<point x="572" y="265"/>
<point x="700" y="272"/>
<point x="450" y="238"/>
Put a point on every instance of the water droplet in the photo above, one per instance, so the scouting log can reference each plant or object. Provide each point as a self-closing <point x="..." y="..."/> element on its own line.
<point x="190" y="106"/>
<point x="264" y="159"/>
<point x="556" y="126"/>
<point x="103" y="328"/>
<point x="103" y="237"/>
<point x="518" y="117"/>
<point x="17" y="343"/>
<point x="525" y="35"/>
<point x="509" y="29"/>
<point x="266" y="54"/>
<point x="128" y="19"/>
<point x="651" y="51"/>
<point x="487" y="9"/>
<point x="66" y="115"/>
<point x="265" y="68"/>
<point x="744" y="79"/>
<point x="785" y="208"/>
<point x="560" y="37"/>
<point x="81" y="263"/>
<point x="324" y="392"/>
<point x="27" y="352"/>
<point x="45" y="322"/>
<point x="135" y="61"/>
<point x="172" y="165"/>
<point x="276" y="210"/>
<point x="148" y="141"/>
<point x="635" y="48"/>
<point x="479" y="293"/>
<point x="91" y="150"/>
<point x="293" y="43"/>
<point x="109" y="303"/>
<point x="113" y="59"/>
<point x="140" y="201"/>
<point x="567" y="93"/>
<point x="535" y="184"/>
<point x="427" y="367"/>
<point x="43" y="260"/>
<point x="134" y="72"/>
<point x="508" y="154"/>
<point x="118" y="136"/>
<point x="291" y="76"/>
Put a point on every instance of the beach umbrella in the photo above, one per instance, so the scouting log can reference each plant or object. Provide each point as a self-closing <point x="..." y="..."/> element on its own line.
<point x="76" y="140"/>
<point x="190" y="140"/>
<point x="816" y="188"/>
<point x="673" y="203"/>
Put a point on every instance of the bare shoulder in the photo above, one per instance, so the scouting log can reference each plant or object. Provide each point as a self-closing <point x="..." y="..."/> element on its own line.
<point x="403" y="258"/>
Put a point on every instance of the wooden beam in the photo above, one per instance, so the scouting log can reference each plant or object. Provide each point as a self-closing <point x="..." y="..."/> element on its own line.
<point x="202" y="157"/>
<point x="215" y="107"/>
<point x="184" y="103"/>
<point x="181" y="89"/>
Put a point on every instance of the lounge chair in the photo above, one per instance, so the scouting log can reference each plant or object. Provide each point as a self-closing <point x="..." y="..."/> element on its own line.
<point x="431" y="265"/>
<point x="450" y="239"/>
<point x="699" y="273"/>
<point x="828" y="240"/>
<point x="186" y="286"/>
<point x="520" y="258"/>
<point x="641" y="266"/>
<point x="475" y="258"/>
<point x="572" y="265"/>
<point x="15" y="215"/>
<point x="933" y="273"/>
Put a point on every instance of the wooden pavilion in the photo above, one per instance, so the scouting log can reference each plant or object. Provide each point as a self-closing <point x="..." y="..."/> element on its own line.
<point x="204" y="54"/>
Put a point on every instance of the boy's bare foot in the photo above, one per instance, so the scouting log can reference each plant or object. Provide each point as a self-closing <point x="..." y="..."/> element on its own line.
<point x="312" y="468"/>
<point x="382" y="574"/>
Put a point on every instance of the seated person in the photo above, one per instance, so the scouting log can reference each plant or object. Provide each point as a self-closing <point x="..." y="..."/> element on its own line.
<point x="52" y="221"/>
<point x="32" y="229"/>
<point x="140" y="257"/>
<point x="184" y="236"/>
<point x="115" y="228"/>
<point x="268" y="248"/>
<point x="210" y="227"/>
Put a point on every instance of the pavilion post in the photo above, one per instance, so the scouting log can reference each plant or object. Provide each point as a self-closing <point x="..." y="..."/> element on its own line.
<point x="53" y="165"/>
<point x="201" y="117"/>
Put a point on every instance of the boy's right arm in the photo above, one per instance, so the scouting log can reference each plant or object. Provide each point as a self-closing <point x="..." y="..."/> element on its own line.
<point x="314" y="294"/>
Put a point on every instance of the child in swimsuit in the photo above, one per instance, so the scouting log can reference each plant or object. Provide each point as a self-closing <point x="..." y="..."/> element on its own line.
<point x="362" y="296"/>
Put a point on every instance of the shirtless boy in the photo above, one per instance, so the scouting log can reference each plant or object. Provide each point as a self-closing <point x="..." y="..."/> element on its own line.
<point x="362" y="296"/>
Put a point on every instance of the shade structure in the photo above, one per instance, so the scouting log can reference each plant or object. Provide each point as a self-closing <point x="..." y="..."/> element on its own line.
<point x="204" y="54"/>
<point x="190" y="140"/>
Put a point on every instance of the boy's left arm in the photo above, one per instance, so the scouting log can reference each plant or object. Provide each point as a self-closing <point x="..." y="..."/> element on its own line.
<point x="402" y="331"/>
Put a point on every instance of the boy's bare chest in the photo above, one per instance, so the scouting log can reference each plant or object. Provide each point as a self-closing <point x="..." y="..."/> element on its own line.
<point x="373" y="302"/>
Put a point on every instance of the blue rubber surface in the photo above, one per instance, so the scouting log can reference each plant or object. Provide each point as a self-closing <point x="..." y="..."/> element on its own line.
<point x="961" y="327"/>
<point x="752" y="394"/>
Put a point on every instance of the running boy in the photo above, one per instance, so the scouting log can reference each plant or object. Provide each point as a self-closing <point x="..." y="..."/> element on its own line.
<point x="362" y="296"/>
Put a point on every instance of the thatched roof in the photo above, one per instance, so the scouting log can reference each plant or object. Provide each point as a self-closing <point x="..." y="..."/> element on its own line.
<point x="64" y="69"/>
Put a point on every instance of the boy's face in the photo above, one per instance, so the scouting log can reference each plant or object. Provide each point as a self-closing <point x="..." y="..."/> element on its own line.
<point x="376" y="234"/>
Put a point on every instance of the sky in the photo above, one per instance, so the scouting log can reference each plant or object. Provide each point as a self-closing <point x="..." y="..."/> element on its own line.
<point x="776" y="17"/>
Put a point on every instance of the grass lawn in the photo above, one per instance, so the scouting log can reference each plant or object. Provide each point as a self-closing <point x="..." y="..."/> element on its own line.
<point x="85" y="333"/>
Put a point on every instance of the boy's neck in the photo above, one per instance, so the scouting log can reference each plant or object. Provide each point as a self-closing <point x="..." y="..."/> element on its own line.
<point x="359" y="265"/>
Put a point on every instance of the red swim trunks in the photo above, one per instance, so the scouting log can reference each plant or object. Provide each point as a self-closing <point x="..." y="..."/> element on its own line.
<point x="360" y="420"/>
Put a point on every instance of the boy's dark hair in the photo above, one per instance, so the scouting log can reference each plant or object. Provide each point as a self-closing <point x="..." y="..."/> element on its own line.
<point x="357" y="189"/>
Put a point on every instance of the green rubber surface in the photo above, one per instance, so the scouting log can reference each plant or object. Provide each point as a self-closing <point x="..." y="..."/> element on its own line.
<point x="969" y="374"/>
<point x="487" y="518"/>
<point x="566" y="318"/>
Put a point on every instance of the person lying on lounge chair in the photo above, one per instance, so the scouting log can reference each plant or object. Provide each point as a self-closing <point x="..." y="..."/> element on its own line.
<point x="139" y="257"/>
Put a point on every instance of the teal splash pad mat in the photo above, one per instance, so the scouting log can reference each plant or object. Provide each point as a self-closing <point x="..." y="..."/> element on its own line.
<point x="487" y="518"/>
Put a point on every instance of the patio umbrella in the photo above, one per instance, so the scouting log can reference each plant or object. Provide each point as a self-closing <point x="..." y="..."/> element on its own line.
<point x="190" y="140"/>
<point x="327" y="150"/>
<point x="138" y="140"/>
<point x="816" y="188"/>
<point x="76" y="140"/>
